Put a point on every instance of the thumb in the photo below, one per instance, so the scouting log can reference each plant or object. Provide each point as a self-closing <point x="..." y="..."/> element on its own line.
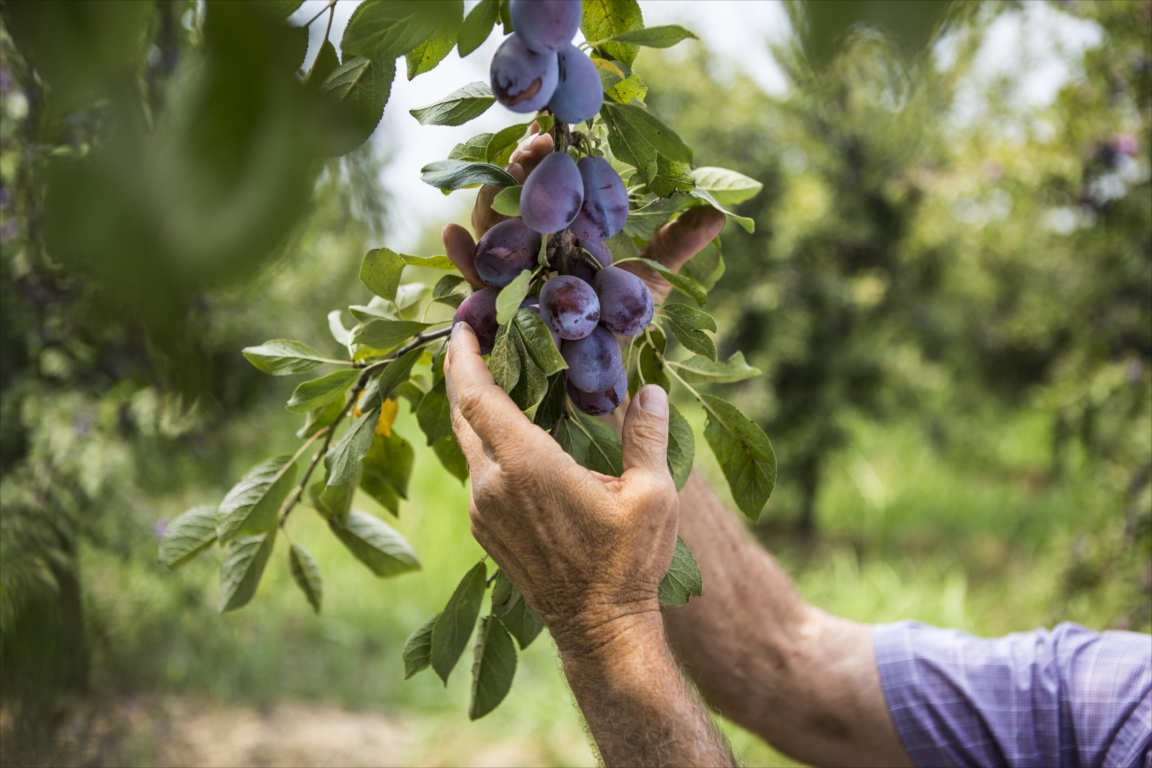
<point x="645" y="433"/>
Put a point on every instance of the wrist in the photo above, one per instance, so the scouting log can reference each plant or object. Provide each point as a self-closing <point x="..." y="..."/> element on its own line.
<point x="611" y="638"/>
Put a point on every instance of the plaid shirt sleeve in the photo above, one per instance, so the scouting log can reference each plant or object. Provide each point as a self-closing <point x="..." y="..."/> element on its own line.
<point x="1065" y="697"/>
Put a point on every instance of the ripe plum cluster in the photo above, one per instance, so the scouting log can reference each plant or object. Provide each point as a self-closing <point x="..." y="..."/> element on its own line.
<point x="587" y="302"/>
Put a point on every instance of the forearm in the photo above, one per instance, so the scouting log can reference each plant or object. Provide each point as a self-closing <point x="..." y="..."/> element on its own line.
<point x="637" y="706"/>
<point x="803" y="680"/>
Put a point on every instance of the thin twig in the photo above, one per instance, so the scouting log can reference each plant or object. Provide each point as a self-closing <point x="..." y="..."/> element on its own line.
<point x="331" y="6"/>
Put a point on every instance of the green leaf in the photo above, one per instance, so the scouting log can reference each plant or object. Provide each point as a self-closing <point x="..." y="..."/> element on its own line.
<point x="362" y="86"/>
<point x="671" y="177"/>
<point x="500" y="147"/>
<point x="418" y="649"/>
<point x="385" y="383"/>
<point x="552" y="405"/>
<point x="242" y="567"/>
<point x="458" y="107"/>
<point x="283" y="357"/>
<point x="451" y="631"/>
<point x="686" y="324"/>
<point x="434" y="414"/>
<point x="380" y="272"/>
<point x="251" y="506"/>
<point x="744" y="453"/>
<point x="473" y="150"/>
<point x="306" y="574"/>
<point x="353" y="446"/>
<point x="335" y="500"/>
<point x="703" y="194"/>
<point x="627" y="89"/>
<point x="652" y="37"/>
<point x="450" y="455"/>
<point x="622" y="247"/>
<point x="726" y="187"/>
<point x="446" y="289"/>
<point x="387" y="470"/>
<point x="514" y="612"/>
<point x="477" y="26"/>
<point x="388" y="334"/>
<point x="506" y="16"/>
<point x="325" y="64"/>
<point x="532" y="384"/>
<point x="504" y="362"/>
<point x="493" y="668"/>
<point x="603" y="453"/>
<point x="458" y="174"/>
<point x="387" y="29"/>
<point x="321" y="391"/>
<point x="429" y="262"/>
<point x="683" y="577"/>
<point x="538" y="342"/>
<point x="682" y="283"/>
<point x="707" y="266"/>
<point x="507" y="201"/>
<point x="319" y="418"/>
<point x="649" y="366"/>
<point x="187" y="536"/>
<point x="375" y="543"/>
<point x="646" y="221"/>
<point x="604" y="19"/>
<point x="701" y="369"/>
<point x="637" y="137"/>
<point x="681" y="447"/>
<point x="425" y="56"/>
<point x="510" y="296"/>
<point x="337" y="329"/>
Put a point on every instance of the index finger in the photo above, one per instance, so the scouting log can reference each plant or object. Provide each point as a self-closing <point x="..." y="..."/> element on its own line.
<point x="474" y="395"/>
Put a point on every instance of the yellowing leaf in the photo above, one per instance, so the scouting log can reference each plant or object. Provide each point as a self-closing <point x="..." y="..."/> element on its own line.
<point x="387" y="418"/>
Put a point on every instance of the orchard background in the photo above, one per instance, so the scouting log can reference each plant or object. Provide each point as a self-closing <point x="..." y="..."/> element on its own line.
<point x="948" y="291"/>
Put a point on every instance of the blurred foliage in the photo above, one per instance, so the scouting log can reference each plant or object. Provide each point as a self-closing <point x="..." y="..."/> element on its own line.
<point x="911" y="262"/>
<point x="954" y="317"/>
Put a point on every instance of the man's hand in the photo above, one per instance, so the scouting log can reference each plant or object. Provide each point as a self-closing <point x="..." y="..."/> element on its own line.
<point x="587" y="551"/>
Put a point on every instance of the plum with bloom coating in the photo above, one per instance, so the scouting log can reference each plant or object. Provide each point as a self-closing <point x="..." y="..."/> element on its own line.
<point x="579" y="92"/>
<point x="600" y="403"/>
<point x="594" y="362"/>
<point x="605" y="208"/>
<point x="522" y="80"/>
<point x="569" y="306"/>
<point x="505" y="251"/>
<point x="625" y="301"/>
<point x="479" y="311"/>
<point x="552" y="194"/>
<point x="545" y="25"/>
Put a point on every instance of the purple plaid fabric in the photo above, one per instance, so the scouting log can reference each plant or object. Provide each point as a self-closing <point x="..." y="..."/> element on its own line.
<point x="1065" y="697"/>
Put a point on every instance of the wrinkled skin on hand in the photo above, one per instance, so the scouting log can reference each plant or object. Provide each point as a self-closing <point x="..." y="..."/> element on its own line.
<point x="587" y="551"/>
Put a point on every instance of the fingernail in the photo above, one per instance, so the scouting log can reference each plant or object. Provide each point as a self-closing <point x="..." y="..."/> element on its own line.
<point x="457" y="328"/>
<point x="654" y="400"/>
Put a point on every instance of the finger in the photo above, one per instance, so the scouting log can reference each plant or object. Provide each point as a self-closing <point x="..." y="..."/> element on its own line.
<point x="540" y="147"/>
<point x="475" y="397"/>
<point x="461" y="250"/>
<point x="676" y="243"/>
<point x="645" y="433"/>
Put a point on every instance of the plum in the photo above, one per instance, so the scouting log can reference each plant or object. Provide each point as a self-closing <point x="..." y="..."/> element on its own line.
<point x="522" y="80"/>
<point x="600" y="403"/>
<point x="625" y="301"/>
<point x="552" y="194"/>
<point x="569" y="306"/>
<point x="505" y="251"/>
<point x="605" y="208"/>
<point x="594" y="362"/>
<point x="579" y="92"/>
<point x="479" y="311"/>
<point x="545" y="26"/>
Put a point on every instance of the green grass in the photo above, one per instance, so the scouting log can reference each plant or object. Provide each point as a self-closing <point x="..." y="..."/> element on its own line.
<point x="961" y="538"/>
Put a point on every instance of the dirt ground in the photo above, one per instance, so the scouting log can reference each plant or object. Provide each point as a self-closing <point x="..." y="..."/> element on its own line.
<point x="186" y="731"/>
